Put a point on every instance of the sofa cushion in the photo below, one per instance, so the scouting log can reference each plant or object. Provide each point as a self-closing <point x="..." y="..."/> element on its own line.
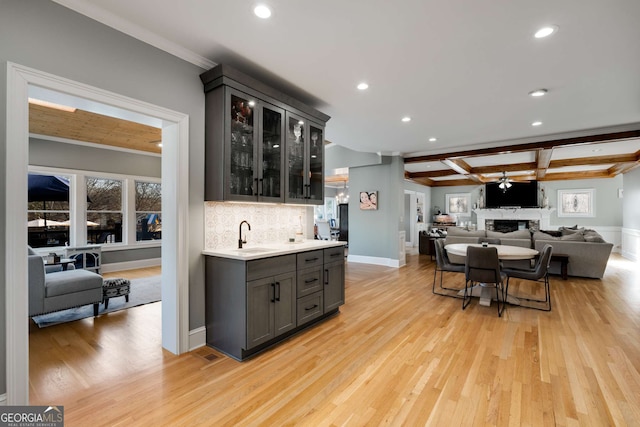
<point x="554" y="233"/>
<point x="454" y="231"/>
<point x="71" y="281"/>
<point x="573" y="237"/>
<point x="540" y="235"/>
<point x="518" y="234"/>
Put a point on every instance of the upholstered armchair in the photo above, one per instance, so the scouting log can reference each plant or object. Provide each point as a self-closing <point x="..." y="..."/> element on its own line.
<point x="61" y="290"/>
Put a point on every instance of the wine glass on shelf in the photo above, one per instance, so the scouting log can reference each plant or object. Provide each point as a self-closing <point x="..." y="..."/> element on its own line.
<point x="314" y="138"/>
<point x="297" y="131"/>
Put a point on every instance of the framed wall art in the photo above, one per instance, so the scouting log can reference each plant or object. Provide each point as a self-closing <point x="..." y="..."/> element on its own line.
<point x="576" y="203"/>
<point x="369" y="200"/>
<point x="458" y="204"/>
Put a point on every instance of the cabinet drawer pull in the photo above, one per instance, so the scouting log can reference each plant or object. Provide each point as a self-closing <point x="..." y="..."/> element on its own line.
<point x="311" y="308"/>
<point x="311" y="259"/>
<point x="336" y="254"/>
<point x="315" y="279"/>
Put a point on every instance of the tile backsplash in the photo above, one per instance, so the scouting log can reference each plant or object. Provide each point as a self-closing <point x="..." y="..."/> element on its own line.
<point x="269" y="223"/>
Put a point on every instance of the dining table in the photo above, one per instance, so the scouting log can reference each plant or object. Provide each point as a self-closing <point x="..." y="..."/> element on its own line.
<point x="505" y="252"/>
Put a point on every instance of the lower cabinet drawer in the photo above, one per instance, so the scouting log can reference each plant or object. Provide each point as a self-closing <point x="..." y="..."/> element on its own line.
<point x="310" y="307"/>
<point x="309" y="281"/>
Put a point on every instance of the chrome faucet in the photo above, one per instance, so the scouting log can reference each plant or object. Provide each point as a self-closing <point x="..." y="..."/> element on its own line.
<point x="240" y="241"/>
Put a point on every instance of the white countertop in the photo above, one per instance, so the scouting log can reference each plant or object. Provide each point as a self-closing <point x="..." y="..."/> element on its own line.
<point x="266" y="250"/>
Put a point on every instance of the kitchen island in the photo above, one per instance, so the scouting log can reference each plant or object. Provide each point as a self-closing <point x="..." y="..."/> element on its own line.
<point x="261" y="294"/>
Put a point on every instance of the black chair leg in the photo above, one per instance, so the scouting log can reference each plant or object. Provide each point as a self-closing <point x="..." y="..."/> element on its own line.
<point x="95" y="309"/>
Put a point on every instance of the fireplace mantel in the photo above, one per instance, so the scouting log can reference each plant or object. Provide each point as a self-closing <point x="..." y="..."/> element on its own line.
<point x="541" y="214"/>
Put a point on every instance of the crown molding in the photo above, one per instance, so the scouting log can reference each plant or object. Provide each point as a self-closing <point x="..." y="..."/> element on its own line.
<point x="127" y="27"/>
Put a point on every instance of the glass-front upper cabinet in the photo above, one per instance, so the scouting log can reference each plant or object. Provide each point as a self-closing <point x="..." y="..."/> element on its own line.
<point x="254" y="159"/>
<point x="305" y="176"/>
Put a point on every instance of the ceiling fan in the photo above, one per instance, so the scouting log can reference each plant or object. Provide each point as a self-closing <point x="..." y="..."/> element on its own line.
<point x="504" y="183"/>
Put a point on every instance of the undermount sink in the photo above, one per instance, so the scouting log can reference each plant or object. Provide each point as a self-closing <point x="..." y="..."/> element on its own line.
<point x="254" y="250"/>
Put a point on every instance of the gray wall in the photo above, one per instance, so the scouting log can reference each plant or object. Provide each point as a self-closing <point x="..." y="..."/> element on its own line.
<point x="375" y="233"/>
<point x="73" y="156"/>
<point x="608" y="208"/>
<point x="3" y="195"/>
<point x="48" y="37"/>
<point x="631" y="200"/>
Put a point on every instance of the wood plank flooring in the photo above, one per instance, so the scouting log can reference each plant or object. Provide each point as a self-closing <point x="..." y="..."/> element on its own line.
<point x="395" y="355"/>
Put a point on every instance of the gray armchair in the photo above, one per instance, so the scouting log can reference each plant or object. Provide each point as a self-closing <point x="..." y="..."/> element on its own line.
<point x="49" y="292"/>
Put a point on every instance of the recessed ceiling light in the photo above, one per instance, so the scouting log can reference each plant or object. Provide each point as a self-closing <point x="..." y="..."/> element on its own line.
<point x="160" y="144"/>
<point x="363" y="86"/>
<point x="538" y="92"/>
<point x="432" y="139"/>
<point x="262" y="11"/>
<point x="406" y="119"/>
<point x="252" y="103"/>
<point x="300" y="122"/>
<point x="536" y="123"/>
<point x="545" y="31"/>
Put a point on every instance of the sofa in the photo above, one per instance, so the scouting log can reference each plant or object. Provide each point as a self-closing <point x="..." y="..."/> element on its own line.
<point x="60" y="290"/>
<point x="587" y="251"/>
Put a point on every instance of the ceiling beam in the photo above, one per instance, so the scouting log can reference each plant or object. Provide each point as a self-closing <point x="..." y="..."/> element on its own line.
<point x="543" y="158"/>
<point x="513" y="167"/>
<point x="527" y="146"/>
<point x="596" y="160"/>
<point x="563" y="176"/>
<point x="463" y="168"/>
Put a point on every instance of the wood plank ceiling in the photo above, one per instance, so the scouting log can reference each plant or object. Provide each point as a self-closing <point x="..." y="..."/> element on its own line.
<point x="85" y="126"/>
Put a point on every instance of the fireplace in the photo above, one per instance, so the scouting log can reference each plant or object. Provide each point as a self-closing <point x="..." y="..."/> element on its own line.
<point x="507" y="225"/>
<point x="516" y="219"/>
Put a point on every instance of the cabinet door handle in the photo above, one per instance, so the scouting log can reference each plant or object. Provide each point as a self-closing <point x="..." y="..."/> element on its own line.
<point x="315" y="279"/>
<point x="326" y="277"/>
<point x="278" y="287"/>
<point x="273" y="286"/>
<point x="261" y="186"/>
<point x="255" y="190"/>
<point x="311" y="308"/>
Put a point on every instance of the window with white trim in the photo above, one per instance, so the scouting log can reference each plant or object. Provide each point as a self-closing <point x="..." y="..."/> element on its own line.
<point x="104" y="210"/>
<point x="148" y="210"/>
<point x="48" y="210"/>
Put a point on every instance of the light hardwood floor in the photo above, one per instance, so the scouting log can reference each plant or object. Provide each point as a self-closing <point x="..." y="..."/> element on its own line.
<point x="395" y="355"/>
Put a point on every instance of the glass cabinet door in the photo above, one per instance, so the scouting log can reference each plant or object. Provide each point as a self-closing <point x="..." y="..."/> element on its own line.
<point x="296" y="156"/>
<point x="316" y="164"/>
<point x="243" y="148"/>
<point x="271" y="148"/>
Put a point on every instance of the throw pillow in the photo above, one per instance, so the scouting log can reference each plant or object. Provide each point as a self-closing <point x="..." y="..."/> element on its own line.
<point x="593" y="237"/>
<point x="554" y="233"/>
<point x="570" y="230"/>
<point x="573" y="237"/>
<point x="539" y="235"/>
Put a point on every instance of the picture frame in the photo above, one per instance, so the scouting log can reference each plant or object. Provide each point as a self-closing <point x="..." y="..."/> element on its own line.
<point x="369" y="200"/>
<point x="458" y="204"/>
<point x="576" y="203"/>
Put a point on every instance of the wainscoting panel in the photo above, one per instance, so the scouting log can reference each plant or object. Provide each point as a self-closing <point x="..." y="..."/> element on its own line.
<point x="631" y="244"/>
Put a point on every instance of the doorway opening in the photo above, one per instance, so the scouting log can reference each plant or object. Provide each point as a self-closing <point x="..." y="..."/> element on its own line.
<point x="175" y="332"/>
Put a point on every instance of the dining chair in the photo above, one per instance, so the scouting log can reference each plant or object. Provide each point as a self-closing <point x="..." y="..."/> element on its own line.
<point x="444" y="265"/>
<point x="483" y="267"/>
<point x="539" y="273"/>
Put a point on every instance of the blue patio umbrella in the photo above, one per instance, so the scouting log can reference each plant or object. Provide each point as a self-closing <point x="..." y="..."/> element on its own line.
<point x="48" y="188"/>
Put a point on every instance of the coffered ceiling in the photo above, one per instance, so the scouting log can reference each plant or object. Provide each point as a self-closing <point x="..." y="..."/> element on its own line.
<point x="461" y="70"/>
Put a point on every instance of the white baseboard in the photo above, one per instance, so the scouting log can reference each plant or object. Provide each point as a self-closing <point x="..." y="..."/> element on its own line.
<point x="388" y="262"/>
<point x="197" y="338"/>
<point x="130" y="265"/>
